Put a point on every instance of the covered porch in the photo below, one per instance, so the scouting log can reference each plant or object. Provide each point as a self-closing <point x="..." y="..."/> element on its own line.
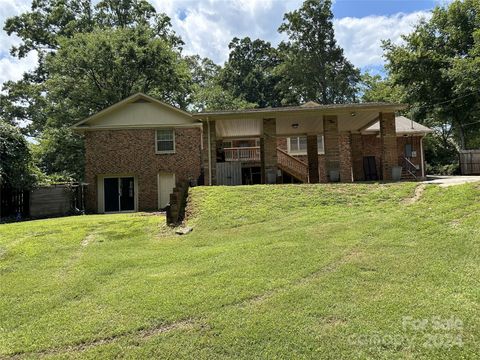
<point x="257" y="138"/>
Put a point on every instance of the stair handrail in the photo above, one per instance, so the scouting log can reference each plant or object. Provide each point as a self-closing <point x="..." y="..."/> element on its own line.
<point x="293" y="164"/>
<point x="410" y="167"/>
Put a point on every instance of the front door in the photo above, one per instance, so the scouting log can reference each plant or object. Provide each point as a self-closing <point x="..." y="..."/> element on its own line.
<point x="119" y="194"/>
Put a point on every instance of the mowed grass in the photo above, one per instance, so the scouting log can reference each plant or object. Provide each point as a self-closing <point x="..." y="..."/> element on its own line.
<point x="291" y="271"/>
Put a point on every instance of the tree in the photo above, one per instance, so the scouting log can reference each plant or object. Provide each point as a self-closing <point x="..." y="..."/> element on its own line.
<point x="89" y="58"/>
<point x="313" y="65"/>
<point x="374" y="88"/>
<point x="432" y="65"/>
<point x="94" y="70"/>
<point x="207" y="94"/>
<point x="15" y="158"/>
<point x="53" y="24"/>
<point x="250" y="74"/>
<point x="60" y="152"/>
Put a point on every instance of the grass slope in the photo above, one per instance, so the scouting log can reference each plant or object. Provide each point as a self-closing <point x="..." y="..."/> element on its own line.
<point x="293" y="271"/>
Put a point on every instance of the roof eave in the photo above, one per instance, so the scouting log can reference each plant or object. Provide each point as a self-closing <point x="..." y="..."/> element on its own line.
<point x="297" y="110"/>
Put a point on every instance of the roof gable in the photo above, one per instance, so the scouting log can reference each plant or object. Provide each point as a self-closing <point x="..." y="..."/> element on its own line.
<point x="138" y="110"/>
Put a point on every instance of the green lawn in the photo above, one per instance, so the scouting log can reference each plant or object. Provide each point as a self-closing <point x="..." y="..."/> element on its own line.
<point x="291" y="271"/>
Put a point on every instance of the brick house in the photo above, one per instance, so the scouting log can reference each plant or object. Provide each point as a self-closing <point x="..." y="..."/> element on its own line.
<point x="137" y="149"/>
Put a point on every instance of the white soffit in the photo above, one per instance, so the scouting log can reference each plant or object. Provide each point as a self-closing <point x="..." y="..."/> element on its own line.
<point x="238" y="127"/>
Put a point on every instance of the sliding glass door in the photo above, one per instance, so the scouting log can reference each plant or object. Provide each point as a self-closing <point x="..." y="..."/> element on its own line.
<point x="119" y="194"/>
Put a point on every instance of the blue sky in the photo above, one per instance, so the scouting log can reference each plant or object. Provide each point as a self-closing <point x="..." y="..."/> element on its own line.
<point x="207" y="26"/>
<point x="361" y="8"/>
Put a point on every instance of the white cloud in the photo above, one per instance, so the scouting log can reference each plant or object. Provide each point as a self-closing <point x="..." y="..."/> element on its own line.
<point x="361" y="37"/>
<point x="207" y="27"/>
<point x="12" y="68"/>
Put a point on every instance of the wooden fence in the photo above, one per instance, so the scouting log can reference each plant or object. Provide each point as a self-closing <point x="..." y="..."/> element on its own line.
<point x="470" y="162"/>
<point x="14" y="203"/>
<point x="41" y="202"/>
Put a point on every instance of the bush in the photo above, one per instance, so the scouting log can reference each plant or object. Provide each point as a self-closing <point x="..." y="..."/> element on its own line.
<point x="449" y="169"/>
<point x="16" y="168"/>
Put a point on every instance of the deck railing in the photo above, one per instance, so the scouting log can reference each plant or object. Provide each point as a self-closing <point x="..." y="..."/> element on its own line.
<point x="286" y="162"/>
<point x="242" y="153"/>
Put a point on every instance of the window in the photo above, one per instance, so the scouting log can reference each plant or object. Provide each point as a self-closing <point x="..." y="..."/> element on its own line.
<point x="165" y="141"/>
<point x="297" y="145"/>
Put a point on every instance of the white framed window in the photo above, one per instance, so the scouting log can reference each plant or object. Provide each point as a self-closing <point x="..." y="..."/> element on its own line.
<point x="165" y="141"/>
<point x="297" y="145"/>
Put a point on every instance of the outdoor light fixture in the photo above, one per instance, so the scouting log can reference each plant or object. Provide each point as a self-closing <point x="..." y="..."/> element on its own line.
<point x="295" y="126"/>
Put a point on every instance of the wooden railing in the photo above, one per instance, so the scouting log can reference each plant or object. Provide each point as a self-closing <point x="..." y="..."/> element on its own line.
<point x="242" y="153"/>
<point x="286" y="162"/>
<point x="292" y="165"/>
<point x="408" y="168"/>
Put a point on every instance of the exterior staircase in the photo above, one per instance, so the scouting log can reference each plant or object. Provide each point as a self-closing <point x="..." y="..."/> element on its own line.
<point x="409" y="170"/>
<point x="292" y="166"/>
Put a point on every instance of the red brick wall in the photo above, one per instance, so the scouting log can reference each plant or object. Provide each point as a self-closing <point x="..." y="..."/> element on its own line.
<point x="132" y="152"/>
<point x="389" y="144"/>
<point x="372" y="146"/>
<point x="345" y="156"/>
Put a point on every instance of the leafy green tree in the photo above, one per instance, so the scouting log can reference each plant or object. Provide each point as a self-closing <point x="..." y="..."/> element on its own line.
<point x="433" y="66"/>
<point x="60" y="152"/>
<point x="89" y="58"/>
<point x="15" y="158"/>
<point x="250" y="74"/>
<point x="94" y="70"/>
<point x="52" y="24"/>
<point x="313" y="65"/>
<point x="374" y="88"/>
<point x="207" y="93"/>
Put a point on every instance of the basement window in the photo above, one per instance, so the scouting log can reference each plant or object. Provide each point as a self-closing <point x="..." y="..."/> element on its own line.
<point x="297" y="145"/>
<point x="165" y="141"/>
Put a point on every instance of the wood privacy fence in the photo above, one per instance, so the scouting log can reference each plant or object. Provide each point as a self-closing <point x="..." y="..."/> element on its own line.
<point x="14" y="203"/>
<point x="44" y="201"/>
<point x="470" y="162"/>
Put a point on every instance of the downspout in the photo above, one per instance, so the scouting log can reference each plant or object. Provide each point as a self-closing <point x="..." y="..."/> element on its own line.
<point x="209" y="154"/>
<point x="422" y="157"/>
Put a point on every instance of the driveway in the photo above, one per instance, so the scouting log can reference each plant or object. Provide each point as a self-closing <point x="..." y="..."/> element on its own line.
<point x="445" y="181"/>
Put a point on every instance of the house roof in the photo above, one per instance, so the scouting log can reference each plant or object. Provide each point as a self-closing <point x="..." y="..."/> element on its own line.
<point x="305" y="108"/>
<point x="136" y="98"/>
<point x="403" y="125"/>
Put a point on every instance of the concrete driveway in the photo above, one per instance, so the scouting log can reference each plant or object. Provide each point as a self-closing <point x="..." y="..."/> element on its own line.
<point x="445" y="181"/>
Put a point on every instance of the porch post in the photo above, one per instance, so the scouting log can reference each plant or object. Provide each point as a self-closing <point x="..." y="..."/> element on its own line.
<point x="345" y="156"/>
<point x="330" y="137"/>
<point x="357" y="157"/>
<point x="209" y="152"/>
<point x="312" y="156"/>
<point x="268" y="151"/>
<point x="388" y="137"/>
